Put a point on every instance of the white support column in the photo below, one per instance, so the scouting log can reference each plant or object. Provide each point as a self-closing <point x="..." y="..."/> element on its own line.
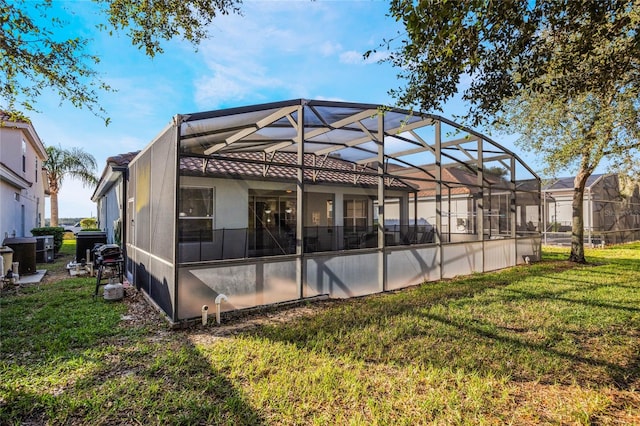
<point x="415" y="211"/>
<point x="338" y="219"/>
<point x="403" y="212"/>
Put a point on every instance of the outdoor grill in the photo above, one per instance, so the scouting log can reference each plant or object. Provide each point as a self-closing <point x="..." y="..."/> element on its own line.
<point x="108" y="258"/>
<point x="107" y="253"/>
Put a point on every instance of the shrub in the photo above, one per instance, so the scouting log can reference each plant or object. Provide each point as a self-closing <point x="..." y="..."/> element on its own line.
<point x="56" y="231"/>
<point x="89" y="223"/>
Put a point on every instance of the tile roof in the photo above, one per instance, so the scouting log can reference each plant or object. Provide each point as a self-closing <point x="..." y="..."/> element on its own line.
<point x="455" y="182"/>
<point x="567" y="182"/>
<point x="107" y="177"/>
<point x="122" y="159"/>
<point x="251" y="165"/>
<point x="428" y="187"/>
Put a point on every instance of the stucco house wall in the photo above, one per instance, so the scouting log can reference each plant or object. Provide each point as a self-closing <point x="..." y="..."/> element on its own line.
<point x="22" y="181"/>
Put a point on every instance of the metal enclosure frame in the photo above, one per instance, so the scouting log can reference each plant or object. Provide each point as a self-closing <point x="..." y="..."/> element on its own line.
<point x="295" y="199"/>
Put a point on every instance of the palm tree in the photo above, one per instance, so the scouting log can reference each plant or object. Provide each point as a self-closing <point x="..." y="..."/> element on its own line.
<point x="72" y="162"/>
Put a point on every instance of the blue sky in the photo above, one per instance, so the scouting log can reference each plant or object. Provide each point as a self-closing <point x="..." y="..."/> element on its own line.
<point x="277" y="50"/>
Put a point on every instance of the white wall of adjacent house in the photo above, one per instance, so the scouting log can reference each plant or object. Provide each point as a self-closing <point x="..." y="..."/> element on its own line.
<point x="21" y="181"/>
<point x="561" y="209"/>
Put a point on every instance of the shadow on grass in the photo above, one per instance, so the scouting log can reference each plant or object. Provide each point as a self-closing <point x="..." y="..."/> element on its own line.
<point x="478" y="325"/>
<point x="82" y="366"/>
<point x="619" y="374"/>
<point x="557" y="296"/>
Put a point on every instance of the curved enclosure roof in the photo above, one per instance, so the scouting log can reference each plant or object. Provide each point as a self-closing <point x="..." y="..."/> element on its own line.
<point x="350" y="132"/>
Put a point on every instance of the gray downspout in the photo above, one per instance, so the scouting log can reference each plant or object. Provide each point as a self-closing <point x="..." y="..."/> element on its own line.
<point x="124" y="170"/>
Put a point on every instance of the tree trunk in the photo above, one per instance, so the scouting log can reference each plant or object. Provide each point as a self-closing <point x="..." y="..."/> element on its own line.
<point x="54" y="208"/>
<point x="577" y="227"/>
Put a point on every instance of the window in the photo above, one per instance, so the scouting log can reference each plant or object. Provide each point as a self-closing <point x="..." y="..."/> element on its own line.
<point x="36" y="172"/>
<point x="196" y="214"/>
<point x="355" y="215"/>
<point x="24" y="156"/>
<point x="329" y="212"/>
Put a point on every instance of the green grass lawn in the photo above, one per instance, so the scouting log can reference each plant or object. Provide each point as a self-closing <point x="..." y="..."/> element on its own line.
<point x="549" y="343"/>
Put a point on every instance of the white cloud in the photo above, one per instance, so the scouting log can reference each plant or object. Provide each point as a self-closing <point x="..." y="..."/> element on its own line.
<point x="328" y="48"/>
<point x="277" y="49"/>
<point x="135" y="100"/>
<point x="357" y="58"/>
<point x="226" y="84"/>
<point x="376" y="57"/>
<point x="331" y="99"/>
<point x="351" y="57"/>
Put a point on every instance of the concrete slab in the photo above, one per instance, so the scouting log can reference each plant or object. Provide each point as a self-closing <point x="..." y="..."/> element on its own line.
<point x="33" y="278"/>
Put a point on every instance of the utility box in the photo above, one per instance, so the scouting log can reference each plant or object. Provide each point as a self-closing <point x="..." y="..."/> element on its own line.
<point x="88" y="240"/>
<point x="24" y="252"/>
<point x="44" y="249"/>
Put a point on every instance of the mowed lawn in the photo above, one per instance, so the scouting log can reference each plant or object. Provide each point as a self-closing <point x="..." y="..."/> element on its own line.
<point x="549" y="343"/>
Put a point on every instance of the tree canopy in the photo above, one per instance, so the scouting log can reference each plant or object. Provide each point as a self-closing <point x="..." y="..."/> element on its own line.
<point x="34" y="56"/>
<point x="563" y="74"/>
<point x="505" y="48"/>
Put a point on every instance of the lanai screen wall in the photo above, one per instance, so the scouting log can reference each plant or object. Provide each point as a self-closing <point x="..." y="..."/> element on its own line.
<point x="150" y="235"/>
<point x="283" y="201"/>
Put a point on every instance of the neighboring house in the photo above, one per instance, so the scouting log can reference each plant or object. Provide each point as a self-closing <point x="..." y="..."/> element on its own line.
<point x="462" y="198"/>
<point x="611" y="215"/>
<point x="23" y="183"/>
<point x="110" y="194"/>
<point x="290" y="200"/>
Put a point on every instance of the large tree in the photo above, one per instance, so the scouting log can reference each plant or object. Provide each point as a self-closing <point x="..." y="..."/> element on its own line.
<point x="74" y="163"/>
<point x="577" y="134"/>
<point x="36" y="55"/>
<point x="566" y="64"/>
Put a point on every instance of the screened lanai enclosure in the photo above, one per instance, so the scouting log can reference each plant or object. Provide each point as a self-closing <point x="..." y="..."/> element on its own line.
<point x="284" y="201"/>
